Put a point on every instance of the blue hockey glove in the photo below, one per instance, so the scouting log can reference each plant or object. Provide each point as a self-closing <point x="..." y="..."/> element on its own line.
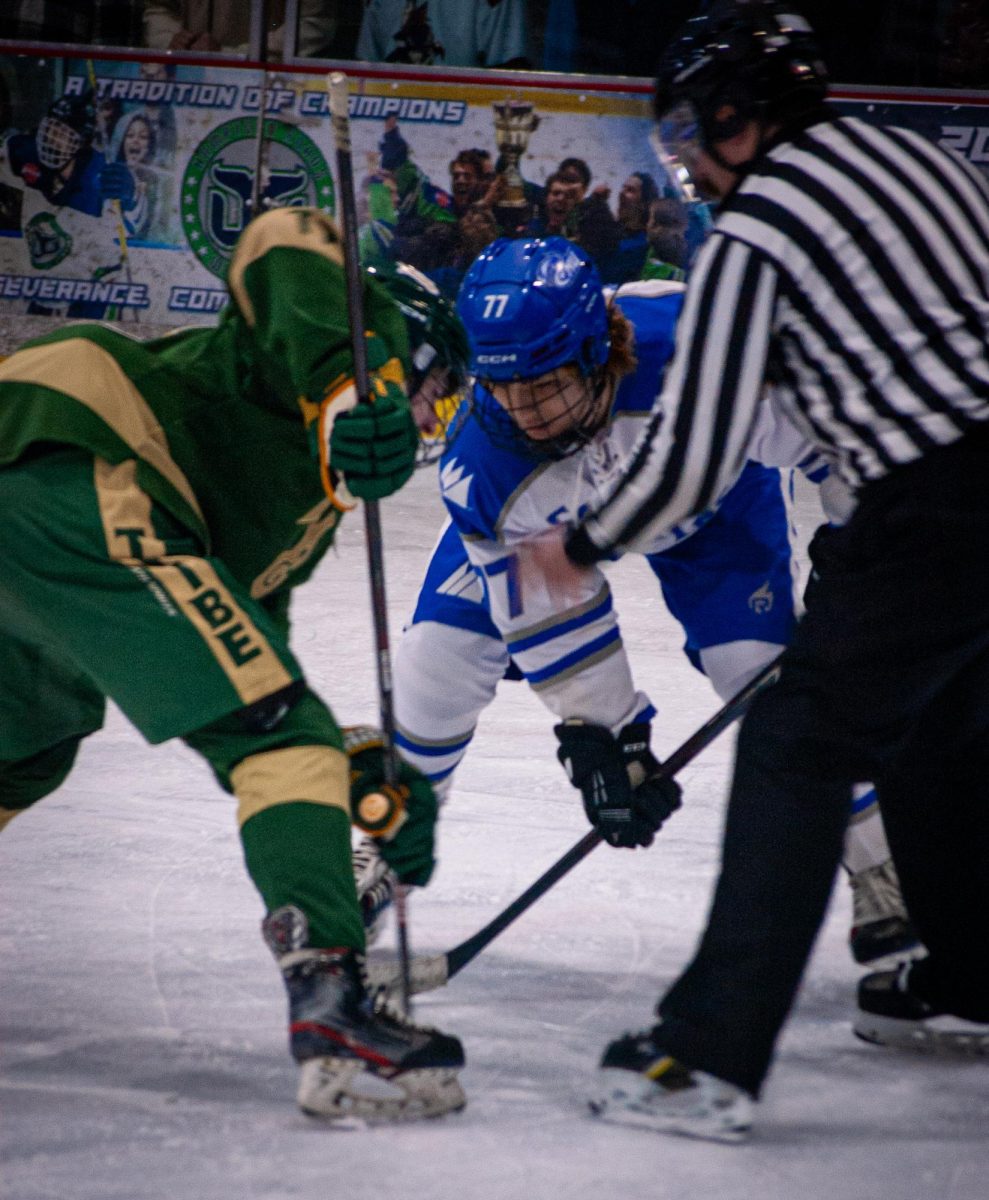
<point x="400" y="816"/>
<point x="117" y="183"/>
<point x="374" y="445"/>
<point x="624" y="797"/>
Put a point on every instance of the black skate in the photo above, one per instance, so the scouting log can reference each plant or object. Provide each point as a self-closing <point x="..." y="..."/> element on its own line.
<point x="881" y="928"/>
<point x="360" y="1062"/>
<point x="891" y="1013"/>
<point x="643" y="1086"/>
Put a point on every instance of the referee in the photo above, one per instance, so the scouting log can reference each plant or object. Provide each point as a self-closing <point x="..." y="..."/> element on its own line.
<point x="847" y="279"/>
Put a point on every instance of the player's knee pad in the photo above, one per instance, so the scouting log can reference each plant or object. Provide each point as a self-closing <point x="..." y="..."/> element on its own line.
<point x="276" y="736"/>
<point x="26" y="780"/>
<point x="268" y="713"/>
<point x="314" y="774"/>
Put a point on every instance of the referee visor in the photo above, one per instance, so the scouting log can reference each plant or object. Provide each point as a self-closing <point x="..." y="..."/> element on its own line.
<point x="678" y="137"/>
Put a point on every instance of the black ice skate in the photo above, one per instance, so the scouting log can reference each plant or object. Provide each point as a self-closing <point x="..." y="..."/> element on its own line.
<point x="643" y="1086"/>
<point x="891" y="1013"/>
<point x="360" y="1062"/>
<point x="881" y="928"/>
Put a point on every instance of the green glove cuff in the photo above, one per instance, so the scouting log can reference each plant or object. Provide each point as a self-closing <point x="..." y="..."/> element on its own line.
<point x="401" y="816"/>
<point x="374" y="445"/>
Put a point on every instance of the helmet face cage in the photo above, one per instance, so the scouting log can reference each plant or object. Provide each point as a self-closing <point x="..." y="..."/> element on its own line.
<point x="57" y="143"/>
<point x="521" y="415"/>
<point x="753" y="57"/>
<point x="534" y="312"/>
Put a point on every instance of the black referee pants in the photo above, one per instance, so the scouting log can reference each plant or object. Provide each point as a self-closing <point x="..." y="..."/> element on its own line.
<point x="887" y="679"/>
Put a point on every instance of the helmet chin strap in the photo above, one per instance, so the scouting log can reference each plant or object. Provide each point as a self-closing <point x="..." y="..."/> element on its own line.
<point x="740" y="168"/>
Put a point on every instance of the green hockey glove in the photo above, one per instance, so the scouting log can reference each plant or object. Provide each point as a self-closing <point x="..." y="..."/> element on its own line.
<point x="401" y="816"/>
<point x="374" y="445"/>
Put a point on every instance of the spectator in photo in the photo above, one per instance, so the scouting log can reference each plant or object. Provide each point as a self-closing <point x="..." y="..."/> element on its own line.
<point x="468" y="180"/>
<point x="160" y="115"/>
<point x="476" y="229"/>
<point x="558" y="204"/>
<point x="666" y="234"/>
<point x="137" y="147"/>
<point x="377" y="215"/>
<point x="591" y="223"/>
<point x="636" y="194"/>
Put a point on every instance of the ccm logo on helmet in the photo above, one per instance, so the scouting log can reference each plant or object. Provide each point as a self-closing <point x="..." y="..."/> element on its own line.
<point x="495" y="359"/>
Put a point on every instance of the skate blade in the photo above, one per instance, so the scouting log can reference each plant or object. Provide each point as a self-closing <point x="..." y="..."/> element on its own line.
<point x="948" y="1036"/>
<point x="352" y="1095"/>
<point x="627" y="1099"/>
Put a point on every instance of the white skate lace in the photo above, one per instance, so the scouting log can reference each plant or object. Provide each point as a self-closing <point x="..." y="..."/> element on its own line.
<point x="381" y="1006"/>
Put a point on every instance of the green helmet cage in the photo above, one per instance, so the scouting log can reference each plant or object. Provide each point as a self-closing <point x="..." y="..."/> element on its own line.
<point x="431" y="320"/>
<point x="436" y="338"/>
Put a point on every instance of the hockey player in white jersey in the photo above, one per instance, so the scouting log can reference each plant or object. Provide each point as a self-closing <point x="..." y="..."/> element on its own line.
<point x="564" y="384"/>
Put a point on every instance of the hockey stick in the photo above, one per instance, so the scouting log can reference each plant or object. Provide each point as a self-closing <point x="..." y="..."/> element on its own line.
<point x="429" y="972"/>
<point x="336" y="83"/>
<point x="260" y="156"/>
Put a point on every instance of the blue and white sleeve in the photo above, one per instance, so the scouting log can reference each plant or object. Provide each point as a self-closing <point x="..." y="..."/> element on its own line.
<point x="573" y="658"/>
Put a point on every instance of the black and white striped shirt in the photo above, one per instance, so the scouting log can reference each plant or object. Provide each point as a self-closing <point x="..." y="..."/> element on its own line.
<point x="850" y="272"/>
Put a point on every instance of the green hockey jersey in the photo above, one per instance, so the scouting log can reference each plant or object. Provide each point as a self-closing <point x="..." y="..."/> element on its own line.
<point x="229" y="426"/>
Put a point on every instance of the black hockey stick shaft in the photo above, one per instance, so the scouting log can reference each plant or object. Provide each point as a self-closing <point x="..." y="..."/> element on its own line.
<point x="339" y="112"/>
<point x="260" y="141"/>
<point x="460" y="956"/>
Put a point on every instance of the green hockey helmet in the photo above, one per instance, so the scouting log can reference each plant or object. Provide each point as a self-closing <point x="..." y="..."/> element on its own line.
<point x="438" y="342"/>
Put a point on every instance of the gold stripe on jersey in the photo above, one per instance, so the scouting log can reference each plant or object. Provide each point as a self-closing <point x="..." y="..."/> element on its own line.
<point x="316" y="524"/>
<point x="125" y="510"/>
<point x="299" y="228"/>
<point x="311" y="774"/>
<point x="87" y="373"/>
<point x="241" y="649"/>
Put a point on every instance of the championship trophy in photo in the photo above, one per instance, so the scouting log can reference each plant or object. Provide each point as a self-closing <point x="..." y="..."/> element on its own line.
<point x="515" y="121"/>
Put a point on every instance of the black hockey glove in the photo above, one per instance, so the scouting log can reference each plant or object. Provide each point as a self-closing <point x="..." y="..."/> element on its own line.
<point x="624" y="798"/>
<point x="400" y="816"/>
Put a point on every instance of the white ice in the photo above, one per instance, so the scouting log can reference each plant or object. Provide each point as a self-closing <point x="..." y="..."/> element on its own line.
<point x="143" y="1022"/>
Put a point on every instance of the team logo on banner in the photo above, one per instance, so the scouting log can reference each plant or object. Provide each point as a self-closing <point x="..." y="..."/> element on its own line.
<point x="219" y="182"/>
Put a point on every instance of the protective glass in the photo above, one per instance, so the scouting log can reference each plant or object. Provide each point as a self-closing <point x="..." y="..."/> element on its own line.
<point x="677" y="140"/>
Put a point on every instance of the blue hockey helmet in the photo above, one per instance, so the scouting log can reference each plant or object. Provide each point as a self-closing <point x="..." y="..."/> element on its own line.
<point x="531" y="305"/>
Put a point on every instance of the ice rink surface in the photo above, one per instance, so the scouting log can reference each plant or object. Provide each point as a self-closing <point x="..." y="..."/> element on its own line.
<point x="142" y="1021"/>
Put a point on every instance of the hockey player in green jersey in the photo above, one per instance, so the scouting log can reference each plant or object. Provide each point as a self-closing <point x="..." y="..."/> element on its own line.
<point x="160" y="500"/>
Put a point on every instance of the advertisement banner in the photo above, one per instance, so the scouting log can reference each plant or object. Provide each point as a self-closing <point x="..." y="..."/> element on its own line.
<point x="124" y="185"/>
